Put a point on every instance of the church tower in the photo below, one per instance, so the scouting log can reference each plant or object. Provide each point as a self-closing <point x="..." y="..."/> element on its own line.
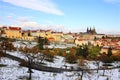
<point x="91" y="31"/>
<point x="94" y="30"/>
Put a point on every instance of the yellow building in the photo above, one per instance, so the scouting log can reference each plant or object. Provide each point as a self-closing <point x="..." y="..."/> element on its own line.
<point x="87" y="36"/>
<point x="26" y="35"/>
<point x="13" y="32"/>
<point x="58" y="36"/>
<point x="28" y="38"/>
<point x="45" y="33"/>
<point x="81" y="42"/>
<point x="35" y="33"/>
<point x="114" y="51"/>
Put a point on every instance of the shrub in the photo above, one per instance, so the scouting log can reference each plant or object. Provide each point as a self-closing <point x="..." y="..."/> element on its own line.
<point x="94" y="51"/>
<point x="48" y="57"/>
<point x="106" y="59"/>
<point x="7" y="45"/>
<point x="109" y="53"/>
<point x="71" y="58"/>
<point x="60" y="52"/>
<point x="115" y="58"/>
<point x="82" y="51"/>
<point x="40" y="46"/>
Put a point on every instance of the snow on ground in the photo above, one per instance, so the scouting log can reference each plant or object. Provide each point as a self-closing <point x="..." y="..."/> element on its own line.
<point x="17" y="54"/>
<point x="116" y="63"/>
<point x="15" y="72"/>
<point x="93" y="64"/>
<point x="6" y="61"/>
<point x="59" y="62"/>
<point x="24" y="43"/>
<point x="62" y="46"/>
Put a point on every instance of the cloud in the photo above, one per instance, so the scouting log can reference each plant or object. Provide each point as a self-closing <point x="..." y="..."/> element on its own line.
<point x="53" y="27"/>
<point x="112" y="1"/>
<point x="22" y="19"/>
<point x="30" y="25"/>
<point x="9" y="17"/>
<point x="0" y="17"/>
<point x="46" y="6"/>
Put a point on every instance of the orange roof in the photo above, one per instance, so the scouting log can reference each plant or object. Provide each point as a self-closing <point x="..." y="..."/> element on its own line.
<point x="51" y="39"/>
<point x="81" y="39"/>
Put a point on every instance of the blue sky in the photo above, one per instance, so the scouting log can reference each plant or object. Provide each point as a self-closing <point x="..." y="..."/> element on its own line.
<point x="59" y="15"/>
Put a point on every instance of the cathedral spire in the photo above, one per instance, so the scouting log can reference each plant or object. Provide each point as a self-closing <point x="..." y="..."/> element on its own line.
<point x="87" y="30"/>
<point x="90" y="29"/>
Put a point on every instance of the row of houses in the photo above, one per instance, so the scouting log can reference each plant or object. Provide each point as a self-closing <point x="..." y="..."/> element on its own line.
<point x="30" y="35"/>
<point x="75" y="38"/>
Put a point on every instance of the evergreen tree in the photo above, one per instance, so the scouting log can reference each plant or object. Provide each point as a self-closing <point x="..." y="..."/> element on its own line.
<point x="94" y="51"/>
<point x="79" y="51"/>
<point x="42" y="41"/>
<point x="85" y="51"/>
<point x="82" y="51"/>
<point x="109" y="53"/>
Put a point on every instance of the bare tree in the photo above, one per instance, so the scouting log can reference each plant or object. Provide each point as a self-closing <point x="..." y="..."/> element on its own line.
<point x="30" y="55"/>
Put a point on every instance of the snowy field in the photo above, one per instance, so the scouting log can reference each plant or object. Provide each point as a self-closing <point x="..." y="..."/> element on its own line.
<point x="15" y="72"/>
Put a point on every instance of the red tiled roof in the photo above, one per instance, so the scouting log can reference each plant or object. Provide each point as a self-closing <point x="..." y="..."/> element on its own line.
<point x="57" y="32"/>
<point x="14" y="28"/>
<point x="26" y="31"/>
<point x="34" y="30"/>
<point x="42" y="30"/>
<point x="3" y="33"/>
<point x="4" y="27"/>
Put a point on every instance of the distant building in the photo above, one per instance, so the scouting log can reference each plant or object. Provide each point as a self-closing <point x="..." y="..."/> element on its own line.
<point x="58" y="36"/>
<point x="91" y="31"/>
<point x="81" y="41"/>
<point x="13" y="32"/>
<point x="114" y="50"/>
<point x="68" y="38"/>
<point x="27" y="35"/>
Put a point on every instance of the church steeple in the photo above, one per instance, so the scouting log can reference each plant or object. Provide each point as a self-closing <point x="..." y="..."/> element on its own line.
<point x="91" y="30"/>
<point x="94" y="30"/>
<point x="87" y="30"/>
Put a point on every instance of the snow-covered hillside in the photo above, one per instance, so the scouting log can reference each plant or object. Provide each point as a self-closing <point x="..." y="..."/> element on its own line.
<point x="15" y="72"/>
<point x="12" y="70"/>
